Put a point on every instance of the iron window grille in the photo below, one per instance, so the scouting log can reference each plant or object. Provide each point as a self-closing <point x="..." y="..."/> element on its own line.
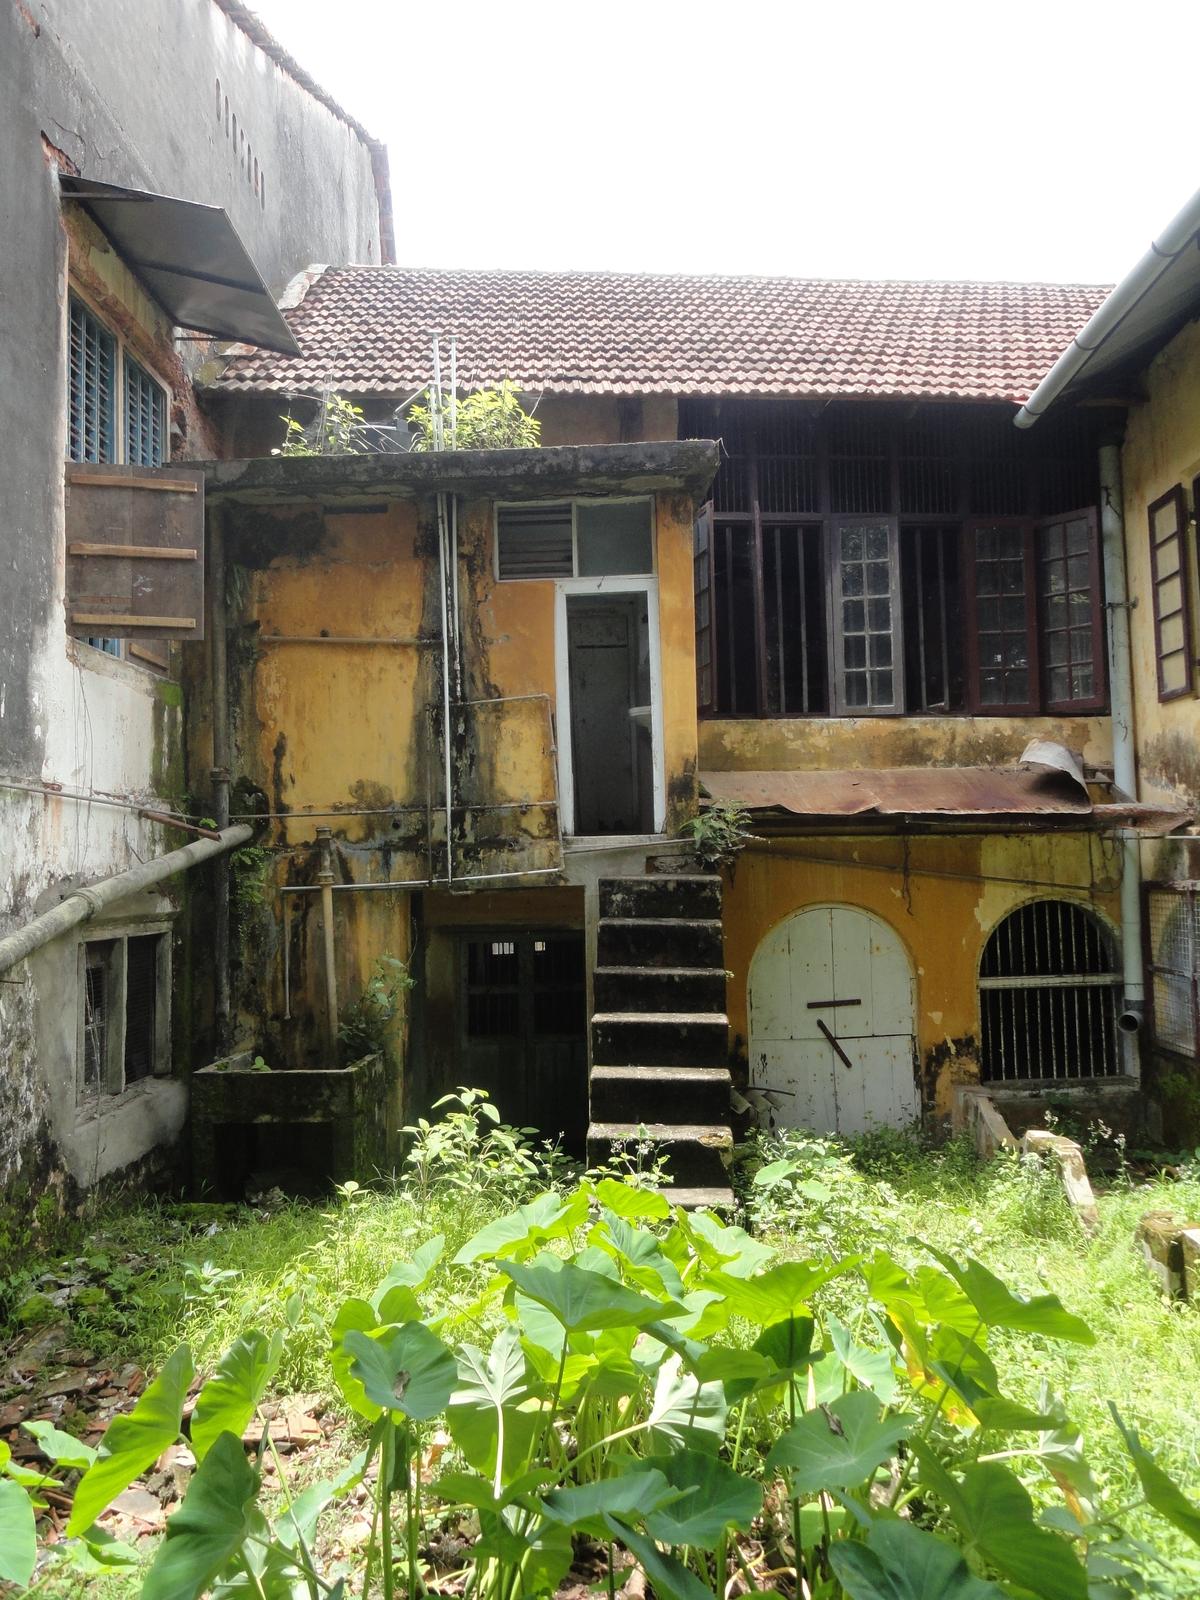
<point x="1049" y="988"/>
<point x="1170" y="594"/>
<point x="124" y="1011"/>
<point x="1172" y="917"/>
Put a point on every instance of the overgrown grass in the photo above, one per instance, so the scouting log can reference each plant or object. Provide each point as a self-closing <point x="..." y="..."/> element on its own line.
<point x="1012" y="1213"/>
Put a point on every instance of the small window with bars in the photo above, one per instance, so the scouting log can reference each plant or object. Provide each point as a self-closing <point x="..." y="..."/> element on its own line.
<point x="1173" y="925"/>
<point x="1049" y="986"/>
<point x="123" y="1012"/>
<point x="1170" y="595"/>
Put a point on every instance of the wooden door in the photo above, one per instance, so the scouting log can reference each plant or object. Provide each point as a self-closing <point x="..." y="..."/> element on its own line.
<point x="832" y="1023"/>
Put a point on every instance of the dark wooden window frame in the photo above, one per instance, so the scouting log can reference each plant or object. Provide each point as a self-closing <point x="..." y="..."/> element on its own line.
<point x="975" y="703"/>
<point x="1098" y="699"/>
<point x="1173" y="496"/>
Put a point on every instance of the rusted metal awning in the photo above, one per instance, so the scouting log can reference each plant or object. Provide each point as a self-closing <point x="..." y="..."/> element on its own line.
<point x="190" y="259"/>
<point x="1038" y="796"/>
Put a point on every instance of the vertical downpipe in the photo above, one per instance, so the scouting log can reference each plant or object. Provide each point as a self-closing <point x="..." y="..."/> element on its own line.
<point x="219" y="689"/>
<point x="325" y="877"/>
<point x="1120" y="678"/>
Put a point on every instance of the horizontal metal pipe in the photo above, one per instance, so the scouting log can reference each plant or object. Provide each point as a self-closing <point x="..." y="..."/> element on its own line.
<point x="83" y="904"/>
<point x="341" y="638"/>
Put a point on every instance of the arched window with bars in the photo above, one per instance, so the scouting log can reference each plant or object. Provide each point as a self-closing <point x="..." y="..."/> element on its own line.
<point x="1049" y="988"/>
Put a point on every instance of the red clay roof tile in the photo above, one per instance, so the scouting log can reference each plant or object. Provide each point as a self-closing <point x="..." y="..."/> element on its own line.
<point x="368" y="331"/>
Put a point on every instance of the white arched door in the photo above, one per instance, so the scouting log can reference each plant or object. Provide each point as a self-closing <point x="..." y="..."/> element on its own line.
<point x="832" y="1007"/>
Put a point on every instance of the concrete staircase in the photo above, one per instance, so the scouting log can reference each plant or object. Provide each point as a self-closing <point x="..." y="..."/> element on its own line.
<point x="659" y="1030"/>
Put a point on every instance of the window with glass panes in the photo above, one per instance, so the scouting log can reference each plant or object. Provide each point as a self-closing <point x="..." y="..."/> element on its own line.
<point x="1170" y="596"/>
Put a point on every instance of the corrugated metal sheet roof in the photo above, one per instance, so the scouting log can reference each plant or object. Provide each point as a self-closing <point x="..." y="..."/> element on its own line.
<point x="904" y="791"/>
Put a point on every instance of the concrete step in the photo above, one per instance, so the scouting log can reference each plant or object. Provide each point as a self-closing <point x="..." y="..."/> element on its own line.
<point x="660" y="1038"/>
<point x="697" y="1154"/>
<point x="713" y="1198"/>
<point x="659" y="942"/>
<point x="656" y="1094"/>
<point x="658" y="988"/>
<point x="678" y="894"/>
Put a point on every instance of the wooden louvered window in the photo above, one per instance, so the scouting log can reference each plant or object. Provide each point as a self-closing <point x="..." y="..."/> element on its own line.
<point x="1170" y="595"/>
<point x="592" y="538"/>
<point x="145" y="417"/>
<point x="92" y="388"/>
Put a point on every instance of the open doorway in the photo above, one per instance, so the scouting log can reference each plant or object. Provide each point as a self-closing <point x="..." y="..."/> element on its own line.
<point x="611" y="712"/>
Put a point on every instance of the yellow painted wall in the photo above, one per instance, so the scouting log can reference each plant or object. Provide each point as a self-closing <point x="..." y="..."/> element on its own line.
<point x="605" y="418"/>
<point x="942" y="897"/>
<point x="779" y="744"/>
<point x="1162" y="449"/>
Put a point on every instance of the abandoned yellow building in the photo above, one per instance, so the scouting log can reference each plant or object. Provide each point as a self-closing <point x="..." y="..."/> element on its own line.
<point x="475" y="698"/>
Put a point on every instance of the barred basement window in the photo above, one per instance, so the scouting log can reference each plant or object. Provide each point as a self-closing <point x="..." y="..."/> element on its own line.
<point x="1048" y="995"/>
<point x="124" y="1011"/>
<point x="1173" y="922"/>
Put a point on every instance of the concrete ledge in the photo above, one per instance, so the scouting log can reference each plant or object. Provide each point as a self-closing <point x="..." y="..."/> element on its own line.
<point x="973" y="1112"/>
<point x="1171" y="1249"/>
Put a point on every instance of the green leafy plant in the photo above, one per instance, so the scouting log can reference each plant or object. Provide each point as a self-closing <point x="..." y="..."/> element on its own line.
<point x="368" y="1025"/>
<point x="471" y="1149"/>
<point x="720" y="831"/>
<point x="661" y="1383"/>
<point x="487" y="419"/>
<point x="339" y="429"/>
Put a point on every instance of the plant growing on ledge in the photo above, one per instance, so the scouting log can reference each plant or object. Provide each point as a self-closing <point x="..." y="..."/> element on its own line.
<point x="366" y="1026"/>
<point x="719" y="832"/>
<point x="338" y="429"/>
<point x="489" y="419"/>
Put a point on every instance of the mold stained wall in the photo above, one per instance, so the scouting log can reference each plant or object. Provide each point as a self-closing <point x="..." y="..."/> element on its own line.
<point x="341" y="728"/>
<point x="942" y="896"/>
<point x="1162" y="449"/>
<point x="133" y="104"/>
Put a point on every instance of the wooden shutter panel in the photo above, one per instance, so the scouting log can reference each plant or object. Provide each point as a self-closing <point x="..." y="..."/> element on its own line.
<point x="1171" y="595"/>
<point x="706" y="613"/>
<point x="135" y="552"/>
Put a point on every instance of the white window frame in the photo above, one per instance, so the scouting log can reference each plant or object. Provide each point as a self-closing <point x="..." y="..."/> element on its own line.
<point x="575" y="501"/>
<point x="113" y="1071"/>
<point x="563" y="589"/>
<point x="122" y="350"/>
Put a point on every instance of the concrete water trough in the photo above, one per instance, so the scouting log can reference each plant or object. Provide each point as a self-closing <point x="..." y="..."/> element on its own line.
<point x="301" y="1130"/>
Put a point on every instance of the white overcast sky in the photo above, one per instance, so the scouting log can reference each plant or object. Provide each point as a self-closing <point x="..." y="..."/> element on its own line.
<point x="849" y="138"/>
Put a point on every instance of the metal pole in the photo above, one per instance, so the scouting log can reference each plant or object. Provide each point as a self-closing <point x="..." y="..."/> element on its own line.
<point x="1125" y="776"/>
<point x="325" y="879"/>
<point x="219" y="690"/>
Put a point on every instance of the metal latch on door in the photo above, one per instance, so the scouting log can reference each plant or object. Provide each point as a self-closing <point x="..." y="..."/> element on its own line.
<point x="837" y="1049"/>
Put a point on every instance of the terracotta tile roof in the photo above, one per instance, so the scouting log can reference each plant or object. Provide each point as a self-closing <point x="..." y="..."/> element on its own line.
<point x="367" y="331"/>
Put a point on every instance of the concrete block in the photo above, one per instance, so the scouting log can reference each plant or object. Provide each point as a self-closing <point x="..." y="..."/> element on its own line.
<point x="1158" y="1233"/>
<point x="974" y="1112"/>
<point x="1069" y="1158"/>
<point x="1189" y="1244"/>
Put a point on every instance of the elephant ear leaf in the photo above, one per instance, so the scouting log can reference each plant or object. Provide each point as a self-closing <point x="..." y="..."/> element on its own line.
<point x="228" y="1400"/>
<point x="840" y="1445"/>
<point x="999" y="1307"/>
<point x="134" y="1442"/>
<point x="18" y="1534"/>
<point x="209" y="1526"/>
<point x="900" y="1562"/>
<point x="1162" y="1493"/>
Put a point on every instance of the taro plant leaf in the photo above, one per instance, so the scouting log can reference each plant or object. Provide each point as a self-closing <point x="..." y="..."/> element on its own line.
<point x="405" y="1369"/>
<point x="1162" y="1493"/>
<point x="396" y="1303"/>
<point x="671" y="1579"/>
<point x="18" y="1534"/>
<point x="999" y="1307"/>
<point x="645" y="1263"/>
<point x="685" y="1413"/>
<point x="993" y="1410"/>
<point x="713" y="1499"/>
<point x="582" y="1300"/>
<point x="840" y="1445"/>
<point x="485" y="1413"/>
<point x="134" y="1442"/>
<point x="741" y="1372"/>
<point x="229" y="1398"/>
<point x="719" y="1245"/>
<point x="871" y="1368"/>
<point x="994" y="1516"/>
<point x="354" y="1316"/>
<point x="925" y="1297"/>
<point x="524" y="1230"/>
<point x="540" y="1553"/>
<point x="900" y="1562"/>
<point x="780" y="1291"/>
<point x="787" y="1344"/>
<point x="414" y="1273"/>
<point x="64" y="1449"/>
<point x="635" y="1205"/>
<point x="630" y="1495"/>
<point x="208" y="1527"/>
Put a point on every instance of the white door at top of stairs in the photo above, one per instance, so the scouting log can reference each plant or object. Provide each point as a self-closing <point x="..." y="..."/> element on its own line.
<point x="832" y="1023"/>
